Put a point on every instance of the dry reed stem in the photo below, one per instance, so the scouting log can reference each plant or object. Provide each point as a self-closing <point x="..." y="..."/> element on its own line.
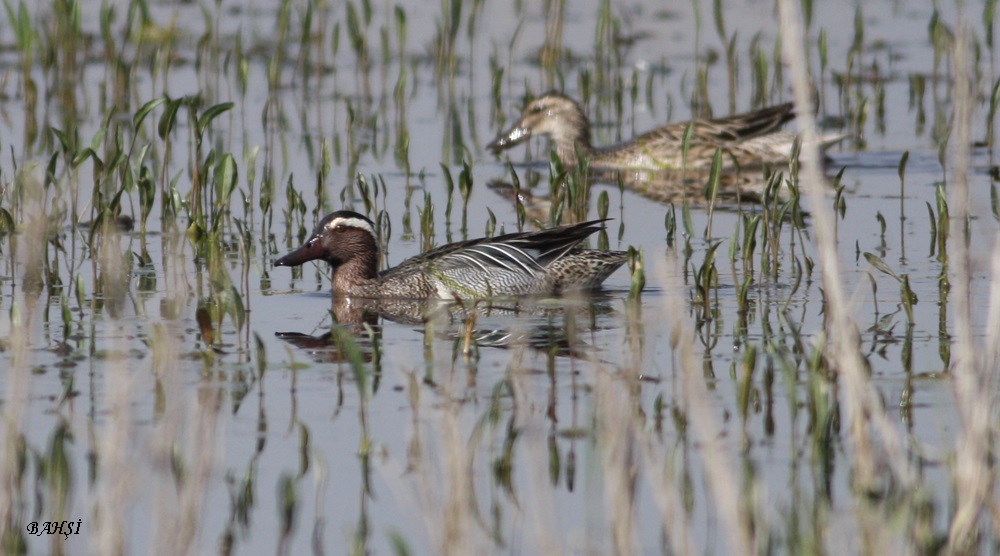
<point x="706" y="432"/>
<point x="18" y="375"/>
<point x="862" y="399"/>
<point x="973" y="474"/>
<point x="616" y="447"/>
<point x="165" y="433"/>
<point x="18" y="378"/>
<point x="115" y="460"/>
<point x="991" y="360"/>
<point x="177" y="510"/>
<point x="537" y="506"/>
<point x="666" y="495"/>
<point x="115" y="467"/>
<point x="666" y="492"/>
<point x="436" y="486"/>
<point x="458" y="503"/>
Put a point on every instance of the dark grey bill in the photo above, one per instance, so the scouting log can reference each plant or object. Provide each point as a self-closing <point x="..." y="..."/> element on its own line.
<point x="513" y="136"/>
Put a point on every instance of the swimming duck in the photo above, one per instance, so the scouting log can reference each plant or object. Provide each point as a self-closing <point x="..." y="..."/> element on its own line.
<point x="540" y="262"/>
<point x="749" y="140"/>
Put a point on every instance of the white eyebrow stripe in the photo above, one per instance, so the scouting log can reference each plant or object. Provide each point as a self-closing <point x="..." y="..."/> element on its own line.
<point x="350" y="222"/>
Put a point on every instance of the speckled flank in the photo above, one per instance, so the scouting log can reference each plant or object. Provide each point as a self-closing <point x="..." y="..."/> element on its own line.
<point x="748" y="140"/>
<point x="540" y="262"/>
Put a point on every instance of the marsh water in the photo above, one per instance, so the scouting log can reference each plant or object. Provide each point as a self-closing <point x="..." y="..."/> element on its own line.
<point x="169" y="389"/>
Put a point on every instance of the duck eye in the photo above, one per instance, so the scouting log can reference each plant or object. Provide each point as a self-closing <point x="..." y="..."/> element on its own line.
<point x="537" y="109"/>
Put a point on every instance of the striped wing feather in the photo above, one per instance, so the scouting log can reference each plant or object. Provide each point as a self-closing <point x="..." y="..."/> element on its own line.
<point x="519" y="252"/>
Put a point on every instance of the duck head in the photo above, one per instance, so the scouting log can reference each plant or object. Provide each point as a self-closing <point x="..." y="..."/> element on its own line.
<point x="342" y="238"/>
<point x="553" y="114"/>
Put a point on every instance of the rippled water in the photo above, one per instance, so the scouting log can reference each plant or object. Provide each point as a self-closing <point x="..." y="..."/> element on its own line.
<point x="561" y="425"/>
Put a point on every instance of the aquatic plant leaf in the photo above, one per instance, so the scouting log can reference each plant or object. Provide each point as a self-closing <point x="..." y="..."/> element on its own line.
<point x="169" y="116"/>
<point x="147" y="194"/>
<point x="603" y="203"/>
<point x="210" y="114"/>
<point x="348" y="346"/>
<point x="636" y="266"/>
<point x="686" y="143"/>
<point x="465" y="181"/>
<point x="226" y="176"/>
<point x="6" y="221"/>
<point x="878" y="263"/>
<point x="233" y="306"/>
<point x="64" y="141"/>
<point x="994" y="202"/>
<point x="714" y="177"/>
<point x="144" y="111"/>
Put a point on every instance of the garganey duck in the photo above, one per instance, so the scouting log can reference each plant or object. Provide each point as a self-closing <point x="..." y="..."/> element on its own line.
<point x="540" y="262"/>
<point x="748" y="140"/>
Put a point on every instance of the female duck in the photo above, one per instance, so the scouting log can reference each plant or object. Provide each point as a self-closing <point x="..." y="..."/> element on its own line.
<point x="542" y="262"/>
<point x="747" y="140"/>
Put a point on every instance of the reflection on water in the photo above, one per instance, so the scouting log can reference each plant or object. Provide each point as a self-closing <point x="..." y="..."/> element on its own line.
<point x="555" y="326"/>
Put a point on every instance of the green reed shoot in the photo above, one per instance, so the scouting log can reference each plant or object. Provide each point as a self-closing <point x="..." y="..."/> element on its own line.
<point x="748" y="365"/>
<point x="25" y="36"/>
<point x="901" y="170"/>
<point x="603" y="204"/>
<point x="686" y="145"/>
<point x="465" y="188"/>
<point x="449" y="188"/>
<point x="743" y="303"/>
<point x="758" y="61"/>
<point x="288" y="509"/>
<point x="225" y="176"/>
<point x="366" y="191"/>
<point x="670" y="224"/>
<point x="994" y="203"/>
<point x="734" y="243"/>
<point x="427" y="223"/>
<point x="991" y="119"/>
<point x="491" y="223"/>
<point x="943" y="223"/>
<point x="447" y="31"/>
<point x="918" y="88"/>
<point x="402" y="146"/>
<point x="749" y="243"/>
<point x="637" y="271"/>
<point x="686" y="219"/>
<point x="907" y="297"/>
<point x="357" y="30"/>
<point x="989" y="15"/>
<point x="147" y="195"/>
<point x="941" y="37"/>
<point x="712" y="188"/>
<point x="707" y="280"/>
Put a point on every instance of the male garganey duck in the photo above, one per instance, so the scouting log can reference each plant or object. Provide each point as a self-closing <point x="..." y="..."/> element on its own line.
<point x="541" y="262"/>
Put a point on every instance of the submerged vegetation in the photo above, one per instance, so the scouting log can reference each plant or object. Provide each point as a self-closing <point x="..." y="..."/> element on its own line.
<point x="801" y="359"/>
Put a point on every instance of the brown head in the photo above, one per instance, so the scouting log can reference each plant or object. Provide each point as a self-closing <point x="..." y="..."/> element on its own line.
<point x="555" y="115"/>
<point x="346" y="240"/>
